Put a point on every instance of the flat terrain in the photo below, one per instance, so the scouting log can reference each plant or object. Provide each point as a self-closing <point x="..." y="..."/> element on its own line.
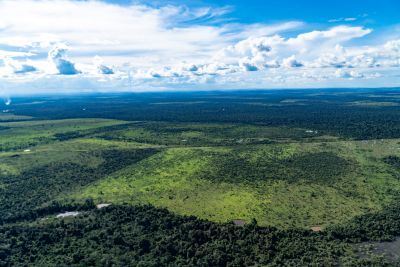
<point x="281" y="177"/>
<point x="292" y="161"/>
<point x="293" y="184"/>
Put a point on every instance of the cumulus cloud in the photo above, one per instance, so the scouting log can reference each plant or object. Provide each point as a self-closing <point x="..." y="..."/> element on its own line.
<point x="348" y="74"/>
<point x="25" y="68"/>
<point x="64" y="66"/>
<point x="103" y="69"/>
<point x="16" y="67"/>
<point x="247" y="65"/>
<point x="100" y="67"/>
<point x="309" y="52"/>
<point x="385" y="55"/>
<point x="165" y="34"/>
<point x="291" y="62"/>
<point x="171" y="46"/>
<point x="275" y="51"/>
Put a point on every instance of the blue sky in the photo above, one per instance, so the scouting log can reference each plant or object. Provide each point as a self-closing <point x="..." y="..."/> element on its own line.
<point x="384" y="12"/>
<point x="119" y="45"/>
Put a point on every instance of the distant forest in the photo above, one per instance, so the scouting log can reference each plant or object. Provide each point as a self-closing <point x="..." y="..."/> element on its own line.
<point x="350" y="113"/>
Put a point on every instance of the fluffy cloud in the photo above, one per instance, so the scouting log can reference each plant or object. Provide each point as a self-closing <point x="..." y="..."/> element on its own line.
<point x="174" y="46"/>
<point x="115" y="32"/>
<point x="348" y="74"/>
<point x="103" y="69"/>
<point x="274" y="51"/>
<point x="100" y="67"/>
<point x="292" y="62"/>
<point x="58" y="56"/>
<point x="309" y="52"/>
<point x="16" y="67"/>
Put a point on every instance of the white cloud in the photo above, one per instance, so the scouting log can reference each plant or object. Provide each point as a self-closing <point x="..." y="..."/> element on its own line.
<point x="167" y="34"/>
<point x="103" y="69"/>
<point x="13" y="54"/>
<point x="306" y="49"/>
<point x="173" y="46"/>
<point x="100" y="67"/>
<point x="64" y="66"/>
<point x="340" y="73"/>
<point x="343" y="19"/>
<point x="18" y="67"/>
<point x="292" y="62"/>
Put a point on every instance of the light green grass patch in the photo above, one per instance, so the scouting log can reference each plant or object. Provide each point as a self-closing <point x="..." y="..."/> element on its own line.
<point x="26" y="134"/>
<point x="207" y="134"/>
<point x="82" y="151"/>
<point x="168" y="180"/>
<point x="6" y="169"/>
<point x="171" y="179"/>
<point x="12" y="117"/>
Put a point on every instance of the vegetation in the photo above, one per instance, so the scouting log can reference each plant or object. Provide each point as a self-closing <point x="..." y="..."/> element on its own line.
<point x="202" y="134"/>
<point x="319" y="167"/>
<point x="179" y="169"/>
<point x="265" y="184"/>
<point x="8" y="117"/>
<point x="378" y="226"/>
<point x="34" y="187"/>
<point x="144" y="236"/>
<point x="24" y="134"/>
<point x="332" y="112"/>
<point x="393" y="161"/>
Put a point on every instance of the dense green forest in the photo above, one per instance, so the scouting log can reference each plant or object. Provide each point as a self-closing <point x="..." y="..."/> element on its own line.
<point x="356" y="113"/>
<point x="243" y="178"/>
<point x="310" y="167"/>
<point x="145" y="236"/>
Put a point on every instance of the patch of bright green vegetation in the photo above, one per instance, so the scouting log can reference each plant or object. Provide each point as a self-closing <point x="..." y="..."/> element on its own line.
<point x="221" y="172"/>
<point x="21" y="135"/>
<point x="200" y="134"/>
<point x="168" y="179"/>
<point x="37" y="184"/>
<point x="83" y="151"/>
<point x="185" y="181"/>
<point x="11" y="117"/>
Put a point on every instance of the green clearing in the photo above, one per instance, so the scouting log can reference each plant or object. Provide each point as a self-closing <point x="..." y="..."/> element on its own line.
<point x="211" y="134"/>
<point x="25" y="134"/>
<point x="205" y="182"/>
<point x="4" y="117"/>
<point x="281" y="177"/>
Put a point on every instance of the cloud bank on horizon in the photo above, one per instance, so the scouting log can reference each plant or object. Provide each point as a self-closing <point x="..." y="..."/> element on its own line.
<point x="75" y="46"/>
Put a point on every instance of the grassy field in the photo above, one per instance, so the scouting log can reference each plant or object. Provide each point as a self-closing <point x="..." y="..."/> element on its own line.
<point x="287" y="183"/>
<point x="4" y="117"/>
<point x="24" y="134"/>
<point x="211" y="134"/>
<point x="285" y="177"/>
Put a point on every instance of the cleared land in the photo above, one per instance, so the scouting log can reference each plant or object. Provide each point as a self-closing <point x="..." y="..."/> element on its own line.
<point x="284" y="185"/>
<point x="220" y="172"/>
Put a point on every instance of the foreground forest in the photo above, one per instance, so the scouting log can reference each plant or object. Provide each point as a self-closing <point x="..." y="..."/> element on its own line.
<point x="246" y="178"/>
